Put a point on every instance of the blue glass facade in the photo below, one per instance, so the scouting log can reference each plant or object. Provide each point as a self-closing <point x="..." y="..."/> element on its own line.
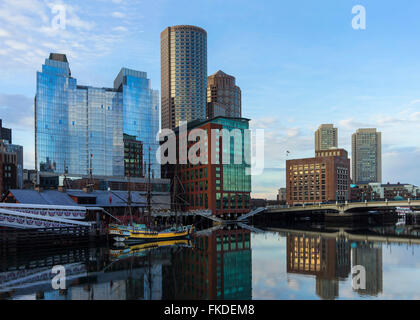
<point x="78" y="124"/>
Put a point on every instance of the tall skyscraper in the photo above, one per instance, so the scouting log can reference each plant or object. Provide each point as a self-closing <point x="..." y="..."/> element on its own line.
<point x="223" y="96"/>
<point x="366" y="156"/>
<point x="326" y="137"/>
<point x="78" y="127"/>
<point x="183" y="74"/>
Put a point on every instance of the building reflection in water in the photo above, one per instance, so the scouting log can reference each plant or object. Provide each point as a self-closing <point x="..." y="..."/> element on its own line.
<point x="218" y="266"/>
<point x="213" y="266"/>
<point x="369" y="255"/>
<point x="330" y="260"/>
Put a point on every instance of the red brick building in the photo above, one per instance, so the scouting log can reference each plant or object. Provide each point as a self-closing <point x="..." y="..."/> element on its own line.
<point x="222" y="188"/>
<point x="323" y="178"/>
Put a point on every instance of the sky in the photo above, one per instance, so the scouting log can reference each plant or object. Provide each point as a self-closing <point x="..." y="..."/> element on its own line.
<point x="298" y="63"/>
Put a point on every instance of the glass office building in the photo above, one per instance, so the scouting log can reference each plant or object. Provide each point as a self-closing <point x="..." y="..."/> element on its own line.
<point x="366" y="156"/>
<point x="78" y="127"/>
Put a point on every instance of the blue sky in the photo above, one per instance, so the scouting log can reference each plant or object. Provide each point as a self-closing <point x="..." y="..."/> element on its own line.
<point x="298" y="63"/>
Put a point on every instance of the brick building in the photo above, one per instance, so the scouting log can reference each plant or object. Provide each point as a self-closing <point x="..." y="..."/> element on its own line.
<point x="223" y="188"/>
<point x="326" y="177"/>
<point x="223" y="96"/>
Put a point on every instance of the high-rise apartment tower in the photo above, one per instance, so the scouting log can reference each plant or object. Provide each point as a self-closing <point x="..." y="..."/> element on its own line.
<point x="183" y="74"/>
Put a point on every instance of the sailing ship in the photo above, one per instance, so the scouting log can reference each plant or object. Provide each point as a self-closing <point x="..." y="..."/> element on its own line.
<point x="132" y="235"/>
<point x="121" y="230"/>
<point x="142" y="233"/>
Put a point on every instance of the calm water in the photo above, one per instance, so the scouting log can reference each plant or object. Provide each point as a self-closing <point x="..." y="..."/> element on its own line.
<point x="282" y="262"/>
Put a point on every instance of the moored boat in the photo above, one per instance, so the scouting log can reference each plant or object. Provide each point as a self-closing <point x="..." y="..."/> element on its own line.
<point x="122" y="230"/>
<point x="133" y="235"/>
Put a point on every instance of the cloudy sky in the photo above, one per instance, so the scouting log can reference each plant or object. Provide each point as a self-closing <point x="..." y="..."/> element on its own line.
<point x="298" y="63"/>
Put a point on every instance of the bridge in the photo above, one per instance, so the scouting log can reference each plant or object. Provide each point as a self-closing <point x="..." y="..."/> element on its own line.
<point x="409" y="239"/>
<point x="343" y="208"/>
<point x="250" y="214"/>
<point x="207" y="214"/>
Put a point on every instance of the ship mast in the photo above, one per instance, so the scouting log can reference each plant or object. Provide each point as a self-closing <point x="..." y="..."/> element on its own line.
<point x="129" y="200"/>
<point x="149" y="192"/>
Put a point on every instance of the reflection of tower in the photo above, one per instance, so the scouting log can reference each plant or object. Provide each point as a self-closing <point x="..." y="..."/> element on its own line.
<point x="327" y="289"/>
<point x="342" y="262"/>
<point x="218" y="266"/>
<point x="328" y="259"/>
<point x="369" y="255"/>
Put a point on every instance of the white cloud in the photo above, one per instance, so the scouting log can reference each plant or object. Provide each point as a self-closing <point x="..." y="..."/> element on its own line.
<point x="31" y="34"/>
<point x="16" y="45"/>
<point x="120" y="29"/>
<point x="118" y="14"/>
<point x="4" y="33"/>
<point x="293" y="132"/>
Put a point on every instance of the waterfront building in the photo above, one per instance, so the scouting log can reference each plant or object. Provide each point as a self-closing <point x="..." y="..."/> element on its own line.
<point x="29" y="178"/>
<point x="5" y="133"/>
<point x="326" y="137"/>
<point x="133" y="157"/>
<point x="6" y="138"/>
<point x="222" y="186"/>
<point x="113" y="201"/>
<point x="82" y="127"/>
<point x="366" y="156"/>
<point x="325" y="177"/>
<point x="388" y="191"/>
<point x="223" y="96"/>
<point x="8" y="168"/>
<point x="183" y="74"/>
<point x="282" y="195"/>
<point x="18" y="150"/>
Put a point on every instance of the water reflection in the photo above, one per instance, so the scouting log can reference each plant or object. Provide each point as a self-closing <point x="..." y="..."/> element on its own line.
<point x="216" y="265"/>
<point x="285" y="262"/>
<point x="330" y="261"/>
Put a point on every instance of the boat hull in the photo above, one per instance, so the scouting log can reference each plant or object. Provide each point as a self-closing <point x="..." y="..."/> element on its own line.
<point x="147" y="236"/>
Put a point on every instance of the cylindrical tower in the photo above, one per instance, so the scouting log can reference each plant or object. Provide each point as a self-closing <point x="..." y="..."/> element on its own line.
<point x="183" y="74"/>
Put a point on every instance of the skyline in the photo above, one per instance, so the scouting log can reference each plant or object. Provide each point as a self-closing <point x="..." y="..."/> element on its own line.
<point x="334" y="74"/>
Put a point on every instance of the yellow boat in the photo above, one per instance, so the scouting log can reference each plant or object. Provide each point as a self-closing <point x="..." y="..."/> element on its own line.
<point x="151" y="235"/>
